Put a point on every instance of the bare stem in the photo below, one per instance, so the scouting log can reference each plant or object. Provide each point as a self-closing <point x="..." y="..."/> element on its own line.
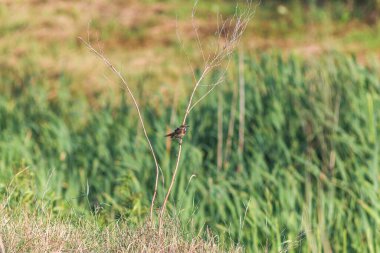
<point x="171" y="186"/>
<point x="220" y="132"/>
<point x="163" y="208"/>
<point x="231" y="125"/>
<point x="212" y="61"/>
<point x="241" y="108"/>
<point x="204" y="73"/>
<point x="126" y="86"/>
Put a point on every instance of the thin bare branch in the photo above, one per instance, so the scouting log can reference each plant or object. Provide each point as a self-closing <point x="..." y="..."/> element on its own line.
<point x="163" y="208"/>
<point x="204" y="73"/>
<point x="231" y="125"/>
<point x="213" y="61"/>
<point x="126" y="86"/>
<point x="213" y="86"/>
<point x="220" y="131"/>
<point x="170" y="187"/>
<point x="241" y="109"/>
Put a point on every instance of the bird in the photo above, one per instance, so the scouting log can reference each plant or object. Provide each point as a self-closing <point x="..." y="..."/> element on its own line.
<point x="178" y="133"/>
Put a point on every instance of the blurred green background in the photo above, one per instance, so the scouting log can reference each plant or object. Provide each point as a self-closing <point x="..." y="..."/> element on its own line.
<point x="308" y="177"/>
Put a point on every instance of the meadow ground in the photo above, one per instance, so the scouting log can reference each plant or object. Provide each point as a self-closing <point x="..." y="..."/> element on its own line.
<point x="76" y="173"/>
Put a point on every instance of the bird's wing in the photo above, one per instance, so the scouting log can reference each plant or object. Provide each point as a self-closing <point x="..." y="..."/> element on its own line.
<point x="169" y="134"/>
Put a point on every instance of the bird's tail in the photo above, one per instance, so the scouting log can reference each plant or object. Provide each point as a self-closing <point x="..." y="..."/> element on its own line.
<point x="169" y="135"/>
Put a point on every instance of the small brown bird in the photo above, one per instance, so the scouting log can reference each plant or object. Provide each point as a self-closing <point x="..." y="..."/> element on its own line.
<point x="178" y="133"/>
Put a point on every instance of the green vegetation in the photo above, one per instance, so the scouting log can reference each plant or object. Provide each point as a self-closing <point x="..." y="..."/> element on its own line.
<point x="73" y="156"/>
<point x="308" y="177"/>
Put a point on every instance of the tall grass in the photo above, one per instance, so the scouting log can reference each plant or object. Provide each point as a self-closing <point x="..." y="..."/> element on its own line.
<point x="310" y="173"/>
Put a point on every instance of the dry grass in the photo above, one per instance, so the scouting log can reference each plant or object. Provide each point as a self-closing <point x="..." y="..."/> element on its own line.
<point x="23" y="231"/>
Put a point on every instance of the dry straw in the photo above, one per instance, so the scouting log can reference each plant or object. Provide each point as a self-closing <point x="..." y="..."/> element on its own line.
<point x="2" y="248"/>
<point x="31" y="232"/>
